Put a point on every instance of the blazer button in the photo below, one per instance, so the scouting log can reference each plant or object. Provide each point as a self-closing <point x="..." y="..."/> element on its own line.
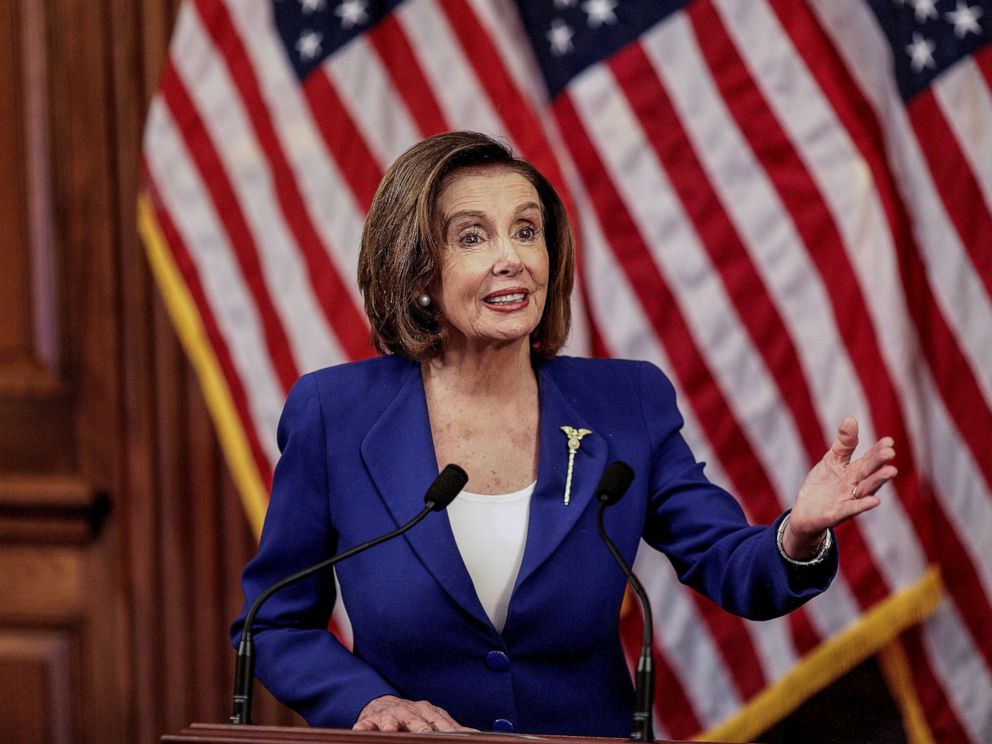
<point x="498" y="662"/>
<point x="501" y="724"/>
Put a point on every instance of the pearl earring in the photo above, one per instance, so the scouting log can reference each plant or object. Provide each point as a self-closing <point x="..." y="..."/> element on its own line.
<point x="424" y="300"/>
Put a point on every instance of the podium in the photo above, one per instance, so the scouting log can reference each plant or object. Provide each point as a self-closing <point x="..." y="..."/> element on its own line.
<point x="207" y="733"/>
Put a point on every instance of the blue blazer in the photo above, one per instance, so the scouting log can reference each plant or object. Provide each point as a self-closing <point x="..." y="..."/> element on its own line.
<point x="357" y="456"/>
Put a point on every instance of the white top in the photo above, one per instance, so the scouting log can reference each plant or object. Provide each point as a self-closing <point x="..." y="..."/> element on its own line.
<point x="491" y="532"/>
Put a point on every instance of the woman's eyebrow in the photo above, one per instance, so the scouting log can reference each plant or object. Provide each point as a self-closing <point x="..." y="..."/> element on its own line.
<point x="471" y="213"/>
<point x="476" y="214"/>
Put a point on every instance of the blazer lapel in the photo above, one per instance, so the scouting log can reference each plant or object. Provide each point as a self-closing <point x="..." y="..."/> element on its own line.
<point x="550" y="519"/>
<point x="399" y="454"/>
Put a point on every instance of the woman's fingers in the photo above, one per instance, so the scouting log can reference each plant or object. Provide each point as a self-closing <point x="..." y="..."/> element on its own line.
<point x="868" y="486"/>
<point x="438" y="718"/>
<point x="846" y="440"/>
<point x="390" y="713"/>
<point x="875" y="459"/>
<point x="838" y="488"/>
<point x="419" y="726"/>
<point x="379" y="721"/>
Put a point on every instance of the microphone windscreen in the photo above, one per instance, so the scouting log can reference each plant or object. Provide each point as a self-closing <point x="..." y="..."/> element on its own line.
<point x="445" y="487"/>
<point x="615" y="481"/>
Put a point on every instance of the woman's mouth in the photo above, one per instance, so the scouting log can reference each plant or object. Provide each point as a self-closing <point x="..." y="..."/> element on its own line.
<point x="506" y="299"/>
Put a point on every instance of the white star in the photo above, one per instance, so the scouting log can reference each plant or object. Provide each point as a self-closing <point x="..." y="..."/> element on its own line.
<point x="925" y="9"/>
<point x="921" y="53"/>
<point x="600" y="12"/>
<point x="965" y="18"/>
<point x="308" y="45"/>
<point x="565" y="3"/>
<point x="312" y="6"/>
<point x="351" y="13"/>
<point x="560" y="37"/>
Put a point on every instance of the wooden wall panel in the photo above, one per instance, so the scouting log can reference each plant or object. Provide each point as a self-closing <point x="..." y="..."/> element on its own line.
<point x="15" y="319"/>
<point x="32" y="397"/>
<point x="55" y="618"/>
<point x="35" y="666"/>
<point x="98" y="405"/>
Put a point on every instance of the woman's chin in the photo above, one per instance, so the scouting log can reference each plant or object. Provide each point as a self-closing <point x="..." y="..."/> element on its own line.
<point x="510" y="336"/>
<point x="500" y="340"/>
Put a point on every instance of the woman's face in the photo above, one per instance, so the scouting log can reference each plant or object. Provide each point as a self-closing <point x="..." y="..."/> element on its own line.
<point x="494" y="272"/>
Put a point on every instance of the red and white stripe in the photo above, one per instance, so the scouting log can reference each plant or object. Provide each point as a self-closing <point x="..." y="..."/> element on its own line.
<point x="758" y="213"/>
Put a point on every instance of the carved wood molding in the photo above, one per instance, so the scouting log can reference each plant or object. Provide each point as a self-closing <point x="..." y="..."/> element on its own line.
<point x="50" y="509"/>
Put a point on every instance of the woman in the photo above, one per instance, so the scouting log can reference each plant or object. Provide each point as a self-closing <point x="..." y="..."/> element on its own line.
<point x="502" y="613"/>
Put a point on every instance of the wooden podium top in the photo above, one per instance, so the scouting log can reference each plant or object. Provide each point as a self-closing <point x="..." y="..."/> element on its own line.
<point x="207" y="733"/>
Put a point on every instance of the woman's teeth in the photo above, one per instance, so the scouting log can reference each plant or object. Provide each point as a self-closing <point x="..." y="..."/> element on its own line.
<point x="506" y="299"/>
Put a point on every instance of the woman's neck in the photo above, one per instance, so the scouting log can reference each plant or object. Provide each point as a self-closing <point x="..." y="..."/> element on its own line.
<point x="483" y="410"/>
<point x="490" y="372"/>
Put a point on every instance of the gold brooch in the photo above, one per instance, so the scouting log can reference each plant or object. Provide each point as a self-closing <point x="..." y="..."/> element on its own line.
<point x="574" y="440"/>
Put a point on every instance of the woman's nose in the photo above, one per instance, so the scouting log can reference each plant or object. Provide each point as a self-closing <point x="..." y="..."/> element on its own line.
<point x="508" y="262"/>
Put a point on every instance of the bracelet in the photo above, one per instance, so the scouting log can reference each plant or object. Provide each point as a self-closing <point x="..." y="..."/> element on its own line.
<point x="820" y="556"/>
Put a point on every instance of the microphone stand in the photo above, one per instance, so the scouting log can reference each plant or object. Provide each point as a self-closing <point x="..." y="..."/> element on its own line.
<point x="441" y="492"/>
<point x="612" y="486"/>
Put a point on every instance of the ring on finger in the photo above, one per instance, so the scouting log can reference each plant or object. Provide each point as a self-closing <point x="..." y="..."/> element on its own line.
<point x="854" y="493"/>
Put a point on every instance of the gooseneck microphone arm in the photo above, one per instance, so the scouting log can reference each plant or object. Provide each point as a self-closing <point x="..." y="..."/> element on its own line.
<point x="441" y="492"/>
<point x="612" y="486"/>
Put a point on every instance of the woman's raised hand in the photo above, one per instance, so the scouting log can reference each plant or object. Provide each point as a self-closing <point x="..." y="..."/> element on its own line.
<point x="837" y="488"/>
<point x="391" y="713"/>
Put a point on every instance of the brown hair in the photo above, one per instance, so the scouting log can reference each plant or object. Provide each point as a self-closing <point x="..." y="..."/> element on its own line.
<point x="401" y="245"/>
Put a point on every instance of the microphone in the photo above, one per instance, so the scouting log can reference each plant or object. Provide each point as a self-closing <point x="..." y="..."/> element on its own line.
<point x="612" y="486"/>
<point x="440" y="493"/>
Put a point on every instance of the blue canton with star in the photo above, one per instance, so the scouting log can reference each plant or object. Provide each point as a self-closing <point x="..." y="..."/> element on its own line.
<point x="570" y="35"/>
<point x="313" y="30"/>
<point x="929" y="36"/>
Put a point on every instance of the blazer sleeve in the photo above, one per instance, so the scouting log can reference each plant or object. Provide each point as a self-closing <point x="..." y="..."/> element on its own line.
<point x="703" y="530"/>
<point x="296" y="658"/>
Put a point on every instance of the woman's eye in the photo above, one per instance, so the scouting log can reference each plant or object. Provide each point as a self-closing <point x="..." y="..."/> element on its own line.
<point x="470" y="239"/>
<point x="527" y="233"/>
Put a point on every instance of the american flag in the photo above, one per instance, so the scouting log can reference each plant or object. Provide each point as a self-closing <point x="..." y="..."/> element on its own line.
<point x="786" y="205"/>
